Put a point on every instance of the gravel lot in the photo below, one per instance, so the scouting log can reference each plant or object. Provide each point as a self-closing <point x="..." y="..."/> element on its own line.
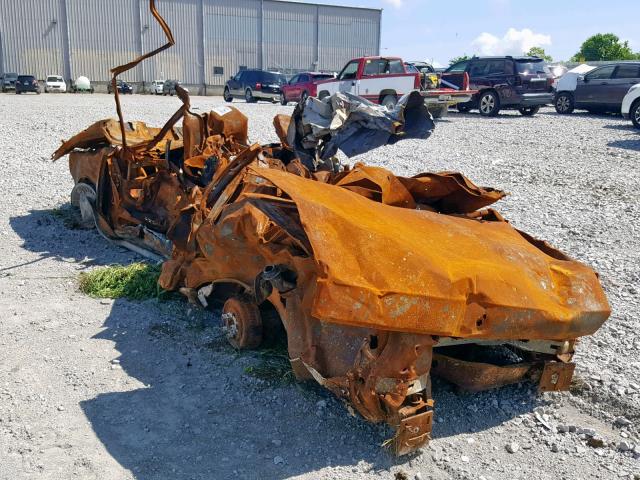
<point x="101" y="389"/>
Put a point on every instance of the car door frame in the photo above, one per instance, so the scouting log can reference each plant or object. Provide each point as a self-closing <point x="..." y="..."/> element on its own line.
<point x="292" y="91"/>
<point x="620" y="86"/>
<point x="350" y="85"/>
<point x="303" y="83"/>
<point x="591" y="92"/>
<point x="234" y="82"/>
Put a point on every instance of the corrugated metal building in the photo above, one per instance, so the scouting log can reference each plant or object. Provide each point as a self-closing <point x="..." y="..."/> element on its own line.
<point x="214" y="38"/>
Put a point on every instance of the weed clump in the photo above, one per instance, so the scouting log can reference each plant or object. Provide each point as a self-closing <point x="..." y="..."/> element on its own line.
<point x="137" y="281"/>
<point x="273" y="367"/>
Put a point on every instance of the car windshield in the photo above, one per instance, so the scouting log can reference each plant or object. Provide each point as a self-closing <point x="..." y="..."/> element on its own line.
<point x="10" y="76"/>
<point x="532" y="67"/>
<point x="54" y="79"/>
<point x="22" y="78"/>
<point x="272" y="77"/>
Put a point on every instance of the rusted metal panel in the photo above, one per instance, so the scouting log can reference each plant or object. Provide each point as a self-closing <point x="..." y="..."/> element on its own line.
<point x="376" y="280"/>
<point x="32" y="38"/>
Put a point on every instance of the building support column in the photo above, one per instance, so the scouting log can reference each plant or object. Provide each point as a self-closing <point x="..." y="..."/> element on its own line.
<point x="261" y="37"/>
<point x="316" y="40"/>
<point x="66" y="42"/>
<point x="202" y="70"/>
<point x="137" y="22"/>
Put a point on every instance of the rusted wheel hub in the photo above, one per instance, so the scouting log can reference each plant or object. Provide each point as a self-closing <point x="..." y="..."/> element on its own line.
<point x="241" y="323"/>
<point x="83" y="196"/>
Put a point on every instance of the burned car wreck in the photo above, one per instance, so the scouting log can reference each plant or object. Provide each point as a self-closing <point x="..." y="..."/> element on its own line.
<point x="377" y="280"/>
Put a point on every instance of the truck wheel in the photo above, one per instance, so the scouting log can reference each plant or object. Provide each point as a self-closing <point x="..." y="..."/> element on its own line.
<point x="248" y="96"/>
<point x="241" y="322"/>
<point x="227" y="95"/>
<point x="564" y="103"/>
<point x="389" y="101"/>
<point x="303" y="97"/>
<point x="283" y="99"/>
<point x="528" y="111"/>
<point x="634" y="113"/>
<point x="489" y="104"/>
<point x="324" y="94"/>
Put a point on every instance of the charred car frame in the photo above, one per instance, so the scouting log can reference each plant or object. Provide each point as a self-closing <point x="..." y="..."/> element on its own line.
<point x="378" y="280"/>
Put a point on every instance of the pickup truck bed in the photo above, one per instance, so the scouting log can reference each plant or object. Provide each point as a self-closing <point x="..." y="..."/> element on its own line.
<point x="383" y="80"/>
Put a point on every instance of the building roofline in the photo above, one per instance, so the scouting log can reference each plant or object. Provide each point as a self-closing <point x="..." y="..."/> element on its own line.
<point x="302" y="2"/>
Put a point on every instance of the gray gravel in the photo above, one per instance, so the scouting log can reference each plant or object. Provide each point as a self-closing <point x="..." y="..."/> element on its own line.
<point x="97" y="389"/>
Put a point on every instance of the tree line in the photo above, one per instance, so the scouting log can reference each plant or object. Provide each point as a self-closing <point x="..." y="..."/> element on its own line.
<point x="599" y="47"/>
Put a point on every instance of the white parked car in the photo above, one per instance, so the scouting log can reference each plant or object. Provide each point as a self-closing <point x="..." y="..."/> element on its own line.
<point x="156" y="87"/>
<point x="631" y="105"/>
<point x="55" y="83"/>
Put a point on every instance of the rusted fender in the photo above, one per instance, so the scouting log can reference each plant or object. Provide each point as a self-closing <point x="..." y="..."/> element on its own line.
<point x="422" y="272"/>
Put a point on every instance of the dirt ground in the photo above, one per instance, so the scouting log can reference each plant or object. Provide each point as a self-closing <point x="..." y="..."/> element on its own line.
<point x="113" y="389"/>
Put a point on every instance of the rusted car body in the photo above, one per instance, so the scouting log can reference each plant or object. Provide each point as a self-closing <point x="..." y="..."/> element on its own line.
<point x="378" y="280"/>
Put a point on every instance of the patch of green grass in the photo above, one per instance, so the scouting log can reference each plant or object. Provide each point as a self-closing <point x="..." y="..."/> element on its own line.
<point x="273" y="367"/>
<point x="138" y="281"/>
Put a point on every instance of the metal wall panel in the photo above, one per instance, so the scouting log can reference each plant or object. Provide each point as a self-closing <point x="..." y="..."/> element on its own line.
<point x="89" y="37"/>
<point x="101" y="36"/>
<point x="289" y="36"/>
<point x="31" y="38"/>
<point x="231" y="37"/>
<point x="180" y="62"/>
<point x="345" y="34"/>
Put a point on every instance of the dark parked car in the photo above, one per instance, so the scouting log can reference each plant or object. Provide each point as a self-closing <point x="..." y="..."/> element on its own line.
<point x="254" y="85"/>
<point x="169" y="87"/>
<point x="27" y="83"/>
<point x="301" y="86"/>
<point x="524" y="83"/>
<point x="9" y="81"/>
<point x="600" y="90"/>
<point x="122" y="86"/>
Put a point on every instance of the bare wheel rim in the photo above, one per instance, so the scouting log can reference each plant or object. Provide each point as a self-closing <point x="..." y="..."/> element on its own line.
<point x="563" y="103"/>
<point x="230" y="326"/>
<point x="487" y="103"/>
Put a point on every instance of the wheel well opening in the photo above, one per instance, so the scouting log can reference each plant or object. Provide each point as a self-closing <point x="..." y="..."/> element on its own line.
<point x="274" y="333"/>
<point x="384" y="93"/>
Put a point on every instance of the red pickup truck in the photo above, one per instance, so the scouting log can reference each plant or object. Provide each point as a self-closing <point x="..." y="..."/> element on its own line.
<point x="384" y="80"/>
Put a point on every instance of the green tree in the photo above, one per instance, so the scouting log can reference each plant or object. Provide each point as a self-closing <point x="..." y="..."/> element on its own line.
<point x="539" y="52"/>
<point x="459" y="59"/>
<point x="604" y="46"/>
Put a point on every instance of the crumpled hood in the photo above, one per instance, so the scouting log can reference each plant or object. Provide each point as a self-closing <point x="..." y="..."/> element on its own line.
<point x="386" y="267"/>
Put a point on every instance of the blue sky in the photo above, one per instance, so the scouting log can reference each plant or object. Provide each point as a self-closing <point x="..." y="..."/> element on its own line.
<point x="437" y="30"/>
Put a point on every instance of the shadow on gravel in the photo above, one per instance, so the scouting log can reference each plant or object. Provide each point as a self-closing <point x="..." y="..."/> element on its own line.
<point x="187" y="408"/>
<point x="627" y="126"/>
<point x="627" y="144"/>
<point x="199" y="415"/>
<point x="52" y="233"/>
